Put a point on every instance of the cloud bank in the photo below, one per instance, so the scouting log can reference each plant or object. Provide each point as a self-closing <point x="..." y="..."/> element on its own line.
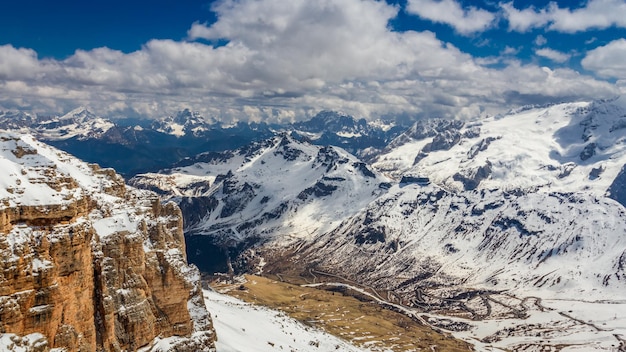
<point x="596" y="14"/>
<point x="288" y="60"/>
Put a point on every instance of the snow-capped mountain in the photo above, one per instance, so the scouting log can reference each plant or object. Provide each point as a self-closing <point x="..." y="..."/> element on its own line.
<point x="358" y="137"/>
<point x="519" y="201"/>
<point x="332" y="121"/>
<point x="276" y="190"/>
<point x="184" y="123"/>
<point x="516" y="201"/>
<point x="79" y="123"/>
<point x="17" y="120"/>
<point x="560" y="148"/>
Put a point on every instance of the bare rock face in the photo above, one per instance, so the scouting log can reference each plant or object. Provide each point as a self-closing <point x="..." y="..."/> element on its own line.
<point x="88" y="264"/>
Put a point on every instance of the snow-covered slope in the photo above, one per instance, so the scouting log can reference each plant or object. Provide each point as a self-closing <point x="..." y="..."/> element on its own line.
<point x="561" y="244"/>
<point x="79" y="123"/>
<point x="24" y="162"/>
<point x="518" y="201"/>
<point x="561" y="148"/>
<point x="275" y="189"/>
<point x="243" y="327"/>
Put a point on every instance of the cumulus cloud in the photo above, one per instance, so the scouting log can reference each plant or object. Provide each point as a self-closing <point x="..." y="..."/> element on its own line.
<point x="525" y="19"/>
<point x="450" y="12"/>
<point x="596" y="14"/>
<point x="20" y="63"/>
<point x="284" y="61"/>
<point x="553" y="55"/>
<point x="608" y="60"/>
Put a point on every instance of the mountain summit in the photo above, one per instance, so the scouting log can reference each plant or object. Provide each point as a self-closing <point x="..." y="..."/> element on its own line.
<point x="184" y="123"/>
<point x="276" y="190"/>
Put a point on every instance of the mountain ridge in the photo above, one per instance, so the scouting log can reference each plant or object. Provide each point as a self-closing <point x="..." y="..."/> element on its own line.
<point x="148" y="146"/>
<point x="248" y="193"/>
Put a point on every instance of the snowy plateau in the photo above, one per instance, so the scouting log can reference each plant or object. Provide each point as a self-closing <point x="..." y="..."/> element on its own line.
<point x="509" y="230"/>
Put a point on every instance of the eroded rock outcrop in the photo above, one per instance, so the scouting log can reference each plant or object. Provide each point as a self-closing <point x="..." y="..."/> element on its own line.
<point x="87" y="264"/>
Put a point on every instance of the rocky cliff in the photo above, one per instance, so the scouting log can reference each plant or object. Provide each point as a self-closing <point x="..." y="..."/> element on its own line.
<point x="88" y="264"/>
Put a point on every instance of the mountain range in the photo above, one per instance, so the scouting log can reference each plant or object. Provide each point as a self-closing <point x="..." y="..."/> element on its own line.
<point x="500" y="202"/>
<point x="451" y="217"/>
<point x="454" y="217"/>
<point x="132" y="146"/>
<point x="276" y="188"/>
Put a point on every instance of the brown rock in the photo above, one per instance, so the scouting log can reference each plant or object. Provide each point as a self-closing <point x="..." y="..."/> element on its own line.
<point x="100" y="272"/>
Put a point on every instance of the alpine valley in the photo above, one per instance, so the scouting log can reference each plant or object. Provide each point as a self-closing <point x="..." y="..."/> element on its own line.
<point x="507" y="231"/>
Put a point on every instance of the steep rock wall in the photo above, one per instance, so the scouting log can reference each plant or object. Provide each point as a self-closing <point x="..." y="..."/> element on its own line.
<point x="87" y="264"/>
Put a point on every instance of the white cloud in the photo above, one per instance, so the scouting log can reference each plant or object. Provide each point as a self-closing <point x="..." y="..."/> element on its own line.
<point x="509" y="50"/>
<point x="541" y="40"/>
<point x="19" y="63"/>
<point x="287" y="60"/>
<point x="608" y="60"/>
<point x="450" y="12"/>
<point x="526" y="19"/>
<point x="596" y="14"/>
<point x="553" y="55"/>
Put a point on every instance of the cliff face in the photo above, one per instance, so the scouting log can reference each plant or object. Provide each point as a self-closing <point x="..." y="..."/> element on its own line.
<point x="87" y="264"/>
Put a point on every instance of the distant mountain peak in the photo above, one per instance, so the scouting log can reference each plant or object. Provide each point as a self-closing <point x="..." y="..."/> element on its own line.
<point x="186" y="115"/>
<point x="184" y="123"/>
<point x="332" y="121"/>
<point x="79" y="113"/>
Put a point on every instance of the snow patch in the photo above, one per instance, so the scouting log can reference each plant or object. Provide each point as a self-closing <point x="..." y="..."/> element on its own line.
<point x="244" y="327"/>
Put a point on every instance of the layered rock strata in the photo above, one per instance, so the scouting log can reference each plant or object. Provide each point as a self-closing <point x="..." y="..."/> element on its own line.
<point x="88" y="264"/>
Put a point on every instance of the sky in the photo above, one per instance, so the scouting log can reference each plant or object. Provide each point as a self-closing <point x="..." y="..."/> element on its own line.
<point x="278" y="60"/>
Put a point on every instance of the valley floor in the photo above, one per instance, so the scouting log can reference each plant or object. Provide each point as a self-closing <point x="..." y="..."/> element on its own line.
<point x="356" y="317"/>
<point x="554" y="325"/>
<point x="356" y="320"/>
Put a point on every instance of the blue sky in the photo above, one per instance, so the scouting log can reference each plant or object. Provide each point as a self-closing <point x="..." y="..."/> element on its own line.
<point x="57" y="28"/>
<point x="273" y="59"/>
